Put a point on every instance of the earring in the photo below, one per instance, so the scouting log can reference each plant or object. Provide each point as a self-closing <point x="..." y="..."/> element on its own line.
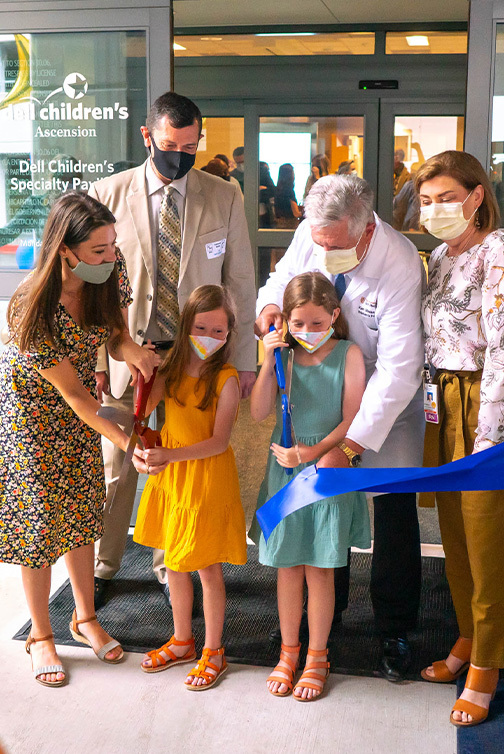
<point x="477" y="221"/>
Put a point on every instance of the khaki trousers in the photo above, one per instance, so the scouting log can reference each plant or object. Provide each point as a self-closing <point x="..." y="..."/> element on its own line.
<point x="472" y="527"/>
<point x="117" y="520"/>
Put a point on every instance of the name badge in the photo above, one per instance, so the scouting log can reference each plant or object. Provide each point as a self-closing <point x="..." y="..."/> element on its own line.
<point x="431" y="403"/>
<point x="215" y="249"/>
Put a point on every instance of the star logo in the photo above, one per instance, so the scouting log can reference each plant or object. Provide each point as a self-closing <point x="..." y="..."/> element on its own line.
<point x="75" y="86"/>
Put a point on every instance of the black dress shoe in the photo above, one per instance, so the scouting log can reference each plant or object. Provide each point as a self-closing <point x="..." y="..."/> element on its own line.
<point x="100" y="591"/>
<point x="395" y="660"/>
<point x="165" y="589"/>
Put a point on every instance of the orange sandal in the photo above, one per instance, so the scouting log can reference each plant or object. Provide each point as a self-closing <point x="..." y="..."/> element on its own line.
<point x="462" y="651"/>
<point x="200" y="671"/>
<point x="307" y="673"/>
<point x="288" y="672"/>
<point x="484" y="681"/>
<point x="160" y="663"/>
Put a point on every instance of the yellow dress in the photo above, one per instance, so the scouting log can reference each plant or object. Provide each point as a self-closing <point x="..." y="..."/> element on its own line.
<point x="192" y="510"/>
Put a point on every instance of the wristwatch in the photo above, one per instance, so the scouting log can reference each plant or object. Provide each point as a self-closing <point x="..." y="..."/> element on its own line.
<point x="354" y="459"/>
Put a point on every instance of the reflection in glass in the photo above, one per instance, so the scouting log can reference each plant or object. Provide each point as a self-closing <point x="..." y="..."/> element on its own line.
<point x="497" y="151"/>
<point x="416" y="138"/>
<point x="294" y="152"/>
<point x="221" y="150"/>
<point x="426" y="43"/>
<point x="274" y="44"/>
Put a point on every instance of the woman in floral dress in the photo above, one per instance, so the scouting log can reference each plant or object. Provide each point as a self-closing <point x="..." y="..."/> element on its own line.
<point x="51" y="472"/>
<point x="463" y="315"/>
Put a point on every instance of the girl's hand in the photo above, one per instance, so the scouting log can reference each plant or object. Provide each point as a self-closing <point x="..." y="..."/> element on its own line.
<point x="138" y="461"/>
<point x="289" y="458"/>
<point x="156" y="459"/>
<point x="272" y="340"/>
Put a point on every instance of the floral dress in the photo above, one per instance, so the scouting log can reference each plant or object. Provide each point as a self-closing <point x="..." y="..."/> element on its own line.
<point x="463" y="316"/>
<point x="52" y="487"/>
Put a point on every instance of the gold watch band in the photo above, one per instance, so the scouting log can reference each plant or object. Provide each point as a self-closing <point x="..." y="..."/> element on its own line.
<point x="347" y="451"/>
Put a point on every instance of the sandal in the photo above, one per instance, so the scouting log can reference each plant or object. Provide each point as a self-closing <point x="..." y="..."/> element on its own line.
<point x="484" y="681"/>
<point x="288" y="672"/>
<point x="160" y="663"/>
<point x="200" y="671"/>
<point x="307" y="673"/>
<point x="462" y="651"/>
<point x="108" y="647"/>
<point x="45" y="668"/>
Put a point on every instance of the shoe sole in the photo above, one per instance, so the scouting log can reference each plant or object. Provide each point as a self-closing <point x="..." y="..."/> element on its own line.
<point x="169" y="664"/>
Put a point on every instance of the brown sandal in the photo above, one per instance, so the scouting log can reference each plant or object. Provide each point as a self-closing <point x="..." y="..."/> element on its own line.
<point x="200" y="671"/>
<point x="288" y="672"/>
<point x="484" y="681"/>
<point x="108" y="647"/>
<point x="45" y="669"/>
<point x="160" y="663"/>
<point x="312" y="676"/>
<point x="462" y="651"/>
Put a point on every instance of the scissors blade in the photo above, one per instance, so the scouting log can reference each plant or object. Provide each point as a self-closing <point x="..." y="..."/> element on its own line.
<point x="119" y="416"/>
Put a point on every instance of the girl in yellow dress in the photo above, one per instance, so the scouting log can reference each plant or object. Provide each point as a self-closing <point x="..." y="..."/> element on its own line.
<point x="191" y="505"/>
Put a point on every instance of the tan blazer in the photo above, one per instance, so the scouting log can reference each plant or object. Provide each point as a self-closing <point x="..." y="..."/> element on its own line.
<point x="213" y="212"/>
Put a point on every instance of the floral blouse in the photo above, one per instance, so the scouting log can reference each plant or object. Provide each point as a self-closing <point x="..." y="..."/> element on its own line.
<point x="463" y="316"/>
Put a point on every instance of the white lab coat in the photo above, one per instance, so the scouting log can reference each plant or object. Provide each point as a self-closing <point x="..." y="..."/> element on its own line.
<point x="382" y="307"/>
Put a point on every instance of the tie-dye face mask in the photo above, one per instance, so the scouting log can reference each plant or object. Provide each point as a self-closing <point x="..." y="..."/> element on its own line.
<point x="205" y="346"/>
<point x="311" y="341"/>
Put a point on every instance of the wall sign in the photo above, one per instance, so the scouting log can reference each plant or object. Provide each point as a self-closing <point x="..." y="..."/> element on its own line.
<point x="71" y="105"/>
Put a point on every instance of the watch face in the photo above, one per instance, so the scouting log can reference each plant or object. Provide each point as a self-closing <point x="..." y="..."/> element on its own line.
<point x="355" y="461"/>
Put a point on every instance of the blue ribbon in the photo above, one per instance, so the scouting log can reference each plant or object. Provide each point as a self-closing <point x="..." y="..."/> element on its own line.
<point x="481" y="471"/>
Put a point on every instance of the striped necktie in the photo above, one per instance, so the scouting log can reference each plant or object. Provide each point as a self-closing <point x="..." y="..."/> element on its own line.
<point x="168" y="265"/>
<point x="340" y="285"/>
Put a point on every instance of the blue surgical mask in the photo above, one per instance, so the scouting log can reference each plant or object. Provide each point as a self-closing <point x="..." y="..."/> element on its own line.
<point x="93" y="273"/>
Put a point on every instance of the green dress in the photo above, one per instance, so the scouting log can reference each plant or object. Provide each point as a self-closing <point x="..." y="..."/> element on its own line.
<point x="319" y="534"/>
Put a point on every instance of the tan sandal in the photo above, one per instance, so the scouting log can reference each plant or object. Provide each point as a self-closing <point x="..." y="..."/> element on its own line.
<point x="108" y="647"/>
<point x="159" y="663"/>
<point x="288" y="672"/>
<point x="462" y="651"/>
<point x="484" y="681"/>
<point x="312" y="676"/>
<point x="200" y="671"/>
<point x="45" y="669"/>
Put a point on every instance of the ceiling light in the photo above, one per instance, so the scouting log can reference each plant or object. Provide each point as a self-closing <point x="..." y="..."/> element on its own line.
<point x="418" y="40"/>
<point x="178" y="47"/>
<point x="288" y="34"/>
<point x="216" y="39"/>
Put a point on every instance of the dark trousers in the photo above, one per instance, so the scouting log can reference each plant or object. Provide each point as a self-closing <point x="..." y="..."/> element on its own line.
<point x="396" y="566"/>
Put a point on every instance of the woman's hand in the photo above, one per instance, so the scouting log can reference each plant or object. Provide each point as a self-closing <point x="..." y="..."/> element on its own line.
<point x="289" y="458"/>
<point x="272" y="340"/>
<point x="140" y="359"/>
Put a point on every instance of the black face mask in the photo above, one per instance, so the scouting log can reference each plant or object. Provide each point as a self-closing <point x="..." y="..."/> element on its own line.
<point x="171" y="165"/>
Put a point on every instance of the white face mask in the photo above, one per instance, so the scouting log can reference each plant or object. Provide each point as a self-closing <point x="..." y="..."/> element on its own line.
<point x="445" y="220"/>
<point x="337" y="261"/>
<point x="311" y="341"/>
<point x="205" y="346"/>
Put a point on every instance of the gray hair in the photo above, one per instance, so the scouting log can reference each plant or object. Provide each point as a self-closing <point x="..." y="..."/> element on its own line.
<point x="335" y="197"/>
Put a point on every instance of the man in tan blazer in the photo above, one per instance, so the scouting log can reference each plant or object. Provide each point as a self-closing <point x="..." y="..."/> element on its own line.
<point x="215" y="249"/>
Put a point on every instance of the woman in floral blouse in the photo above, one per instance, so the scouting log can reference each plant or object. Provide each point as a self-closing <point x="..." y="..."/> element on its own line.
<point x="51" y="472"/>
<point x="463" y="316"/>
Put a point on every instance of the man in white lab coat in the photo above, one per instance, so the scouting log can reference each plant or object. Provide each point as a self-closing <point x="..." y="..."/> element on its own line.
<point x="378" y="275"/>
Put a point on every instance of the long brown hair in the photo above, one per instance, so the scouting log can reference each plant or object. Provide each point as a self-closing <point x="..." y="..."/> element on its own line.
<point x="315" y="288"/>
<point x="205" y="298"/>
<point x="32" y="308"/>
<point x="468" y="171"/>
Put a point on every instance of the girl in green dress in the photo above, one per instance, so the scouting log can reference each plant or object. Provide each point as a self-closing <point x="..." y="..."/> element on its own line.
<point x="328" y="380"/>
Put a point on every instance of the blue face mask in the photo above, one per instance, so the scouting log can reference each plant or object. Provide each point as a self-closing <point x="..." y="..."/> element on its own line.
<point x="93" y="273"/>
